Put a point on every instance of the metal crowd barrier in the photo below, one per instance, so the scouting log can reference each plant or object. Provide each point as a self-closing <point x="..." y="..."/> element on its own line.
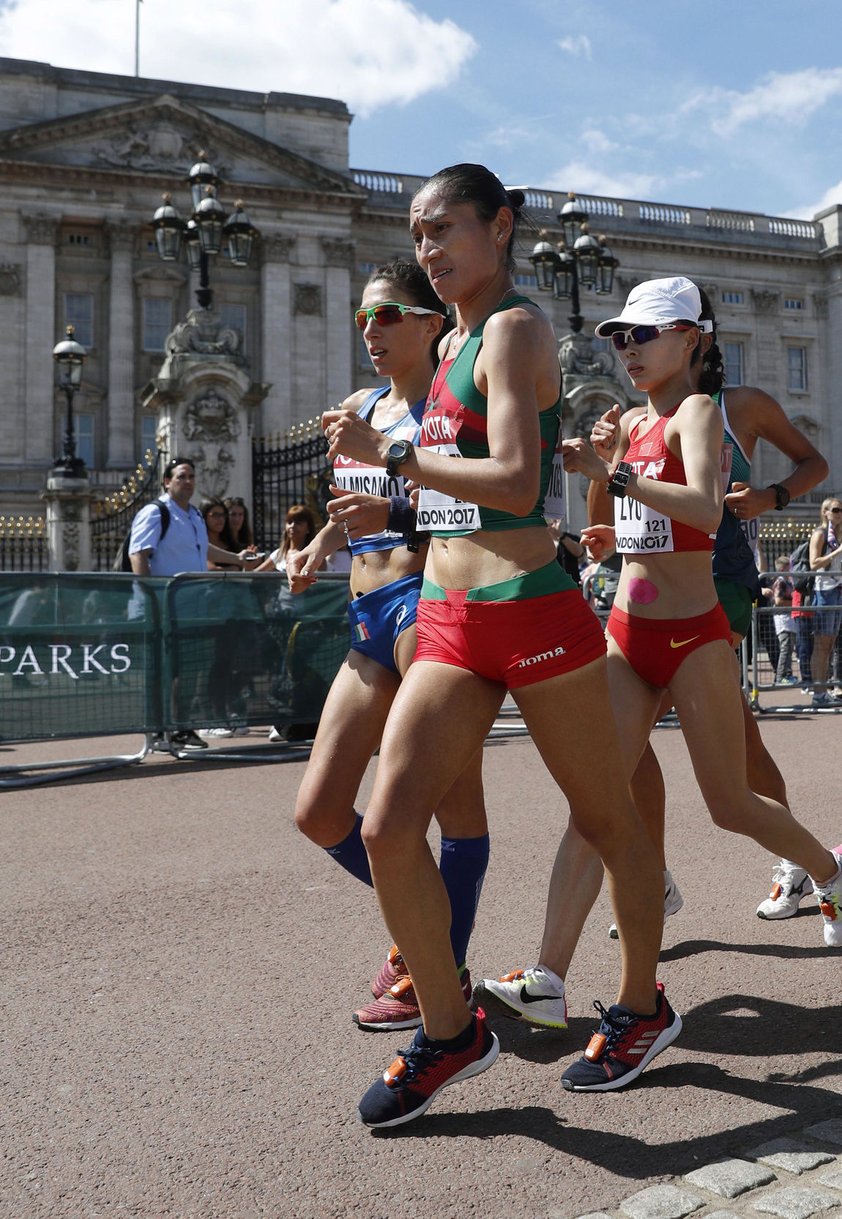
<point x="92" y="654"/>
<point x="760" y="651"/>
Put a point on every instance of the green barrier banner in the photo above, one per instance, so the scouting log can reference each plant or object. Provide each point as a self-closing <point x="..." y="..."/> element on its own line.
<point x="98" y="654"/>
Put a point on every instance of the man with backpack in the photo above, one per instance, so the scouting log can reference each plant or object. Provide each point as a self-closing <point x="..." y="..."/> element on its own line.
<point x="168" y="537"/>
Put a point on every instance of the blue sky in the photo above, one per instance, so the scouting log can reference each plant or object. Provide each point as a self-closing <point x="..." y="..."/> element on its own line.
<point x="730" y="103"/>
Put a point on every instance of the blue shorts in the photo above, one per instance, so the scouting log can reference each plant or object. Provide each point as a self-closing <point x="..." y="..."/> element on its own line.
<point x="379" y="617"/>
<point x="828" y="621"/>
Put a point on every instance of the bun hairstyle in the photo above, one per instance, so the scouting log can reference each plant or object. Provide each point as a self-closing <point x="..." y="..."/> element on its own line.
<point x="467" y="183"/>
<point x="409" y="278"/>
<point x="712" y="376"/>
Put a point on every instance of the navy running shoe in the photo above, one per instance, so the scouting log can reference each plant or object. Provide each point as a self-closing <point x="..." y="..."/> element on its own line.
<point x="410" y="1085"/>
<point x="623" y="1045"/>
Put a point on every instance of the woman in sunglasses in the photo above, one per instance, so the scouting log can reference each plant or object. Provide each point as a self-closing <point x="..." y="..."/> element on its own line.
<point x="401" y="320"/>
<point x="497" y="613"/>
<point x="748" y="414"/>
<point x="826" y="562"/>
<point x="668" y="490"/>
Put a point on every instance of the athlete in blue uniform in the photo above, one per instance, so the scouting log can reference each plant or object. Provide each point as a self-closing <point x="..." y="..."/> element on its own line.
<point x="401" y="319"/>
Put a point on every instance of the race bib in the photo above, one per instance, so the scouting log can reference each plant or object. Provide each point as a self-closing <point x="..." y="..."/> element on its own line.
<point x="554" y="506"/>
<point x="441" y="513"/>
<point x="641" y="530"/>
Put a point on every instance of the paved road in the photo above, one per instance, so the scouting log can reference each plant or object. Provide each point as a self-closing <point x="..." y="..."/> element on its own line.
<point x="179" y="968"/>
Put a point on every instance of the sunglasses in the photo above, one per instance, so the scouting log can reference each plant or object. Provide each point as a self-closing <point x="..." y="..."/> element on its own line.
<point x="834" y="509"/>
<point x="387" y="314"/>
<point x="636" y="336"/>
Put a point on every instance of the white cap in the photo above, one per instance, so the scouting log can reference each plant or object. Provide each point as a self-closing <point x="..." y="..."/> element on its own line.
<point x="658" y="302"/>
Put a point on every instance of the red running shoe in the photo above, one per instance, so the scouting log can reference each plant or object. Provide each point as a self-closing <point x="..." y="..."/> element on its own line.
<point x="408" y="1087"/>
<point x="622" y="1046"/>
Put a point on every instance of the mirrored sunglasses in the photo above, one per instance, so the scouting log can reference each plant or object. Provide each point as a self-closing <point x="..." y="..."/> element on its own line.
<point x="387" y="314"/>
<point x="636" y="336"/>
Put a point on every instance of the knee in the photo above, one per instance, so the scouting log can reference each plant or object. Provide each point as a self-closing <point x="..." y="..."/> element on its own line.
<point x="727" y="815"/>
<point x="386" y="838"/>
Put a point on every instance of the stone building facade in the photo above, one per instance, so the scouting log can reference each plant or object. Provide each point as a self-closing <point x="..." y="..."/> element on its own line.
<point x="85" y="158"/>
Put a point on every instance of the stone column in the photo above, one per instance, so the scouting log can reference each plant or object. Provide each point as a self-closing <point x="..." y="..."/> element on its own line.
<point x="68" y="503"/>
<point x="122" y="444"/>
<point x="276" y="321"/>
<point x="338" y="334"/>
<point x="39" y="418"/>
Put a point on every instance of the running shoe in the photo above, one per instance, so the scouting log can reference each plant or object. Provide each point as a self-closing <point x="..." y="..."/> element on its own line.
<point x="789" y="884"/>
<point x="821" y="698"/>
<point x="393" y="968"/>
<point x="408" y="1087"/>
<point x="187" y="740"/>
<point x="524" y="994"/>
<point x="622" y="1046"/>
<point x="216" y="732"/>
<point x="673" y="901"/>
<point x="830" y="904"/>
<point x="398" y="1007"/>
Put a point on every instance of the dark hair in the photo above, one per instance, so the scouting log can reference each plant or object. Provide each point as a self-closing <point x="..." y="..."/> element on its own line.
<point x="467" y="183"/>
<point x="712" y="376"/>
<point x="298" y="512"/>
<point x="244" y="536"/>
<point x="409" y="278"/>
<point x="177" y="461"/>
<point x="226" y="541"/>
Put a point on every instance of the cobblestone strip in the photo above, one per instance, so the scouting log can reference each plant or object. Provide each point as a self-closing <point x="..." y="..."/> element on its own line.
<point x="791" y="1178"/>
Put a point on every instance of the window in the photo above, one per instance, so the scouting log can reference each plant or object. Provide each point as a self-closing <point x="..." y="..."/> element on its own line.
<point x="733" y="298"/>
<point x="793" y="302"/>
<point x="79" y="313"/>
<point x="234" y="317"/>
<point x="157" y="322"/>
<point x="733" y="358"/>
<point x="83" y="431"/>
<point x="148" y="429"/>
<point x="796" y="369"/>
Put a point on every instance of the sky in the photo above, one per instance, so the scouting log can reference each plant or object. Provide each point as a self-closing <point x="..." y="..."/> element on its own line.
<point x="734" y="104"/>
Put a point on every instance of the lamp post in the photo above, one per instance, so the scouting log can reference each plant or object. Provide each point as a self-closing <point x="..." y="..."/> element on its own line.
<point x="69" y="356"/>
<point x="205" y="232"/>
<point x="580" y="260"/>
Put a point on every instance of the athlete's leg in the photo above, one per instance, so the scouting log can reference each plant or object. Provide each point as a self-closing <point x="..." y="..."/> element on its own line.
<point x="709" y="708"/>
<point x="438" y="722"/>
<point x="571" y="720"/>
<point x="349" y="731"/>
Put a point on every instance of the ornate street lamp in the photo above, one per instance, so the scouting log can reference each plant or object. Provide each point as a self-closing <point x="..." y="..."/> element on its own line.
<point x="579" y="261"/>
<point x="69" y="357"/>
<point x="207" y="230"/>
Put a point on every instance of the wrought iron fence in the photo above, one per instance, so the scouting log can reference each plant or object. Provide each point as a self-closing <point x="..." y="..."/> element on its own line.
<point x="292" y="471"/>
<point x="23" y="544"/>
<point x="111" y="518"/>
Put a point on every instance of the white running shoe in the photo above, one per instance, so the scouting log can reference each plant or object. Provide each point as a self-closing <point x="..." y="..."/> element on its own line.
<point x="789" y="884"/>
<point x="524" y="994"/>
<point x="830" y="904"/>
<point x="673" y="901"/>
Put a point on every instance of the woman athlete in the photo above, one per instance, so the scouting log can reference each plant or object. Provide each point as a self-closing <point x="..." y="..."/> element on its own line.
<point x="748" y="414"/>
<point x="401" y="319"/>
<point x="497" y="613"/>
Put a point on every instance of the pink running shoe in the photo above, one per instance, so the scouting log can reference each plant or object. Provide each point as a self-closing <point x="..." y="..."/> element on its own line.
<point x="398" y="1008"/>
<point x="393" y="968"/>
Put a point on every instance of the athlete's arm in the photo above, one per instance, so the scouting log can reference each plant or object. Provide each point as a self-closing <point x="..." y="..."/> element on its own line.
<point x="517" y="369"/>
<point x="755" y="415"/>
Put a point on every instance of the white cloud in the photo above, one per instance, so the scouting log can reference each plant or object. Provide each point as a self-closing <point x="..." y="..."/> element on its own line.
<point x="791" y="97"/>
<point x="579" y="46"/>
<point x="368" y="53"/>
<point x="588" y="180"/>
<point x="597" y="141"/>
<point x="831" y="198"/>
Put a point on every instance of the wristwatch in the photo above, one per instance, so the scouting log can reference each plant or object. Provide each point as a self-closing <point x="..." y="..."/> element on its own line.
<point x="399" y="452"/>
<point x="618" y="480"/>
<point x="782" y="496"/>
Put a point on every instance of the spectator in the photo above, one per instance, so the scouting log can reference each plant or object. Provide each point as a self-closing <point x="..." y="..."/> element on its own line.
<point x="782" y="591"/>
<point x="182" y="547"/>
<point x="215" y="515"/>
<point x="826" y="561"/>
<point x="238" y="522"/>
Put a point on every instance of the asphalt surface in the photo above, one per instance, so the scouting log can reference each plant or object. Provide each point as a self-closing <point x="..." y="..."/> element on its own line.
<point x="179" y="967"/>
